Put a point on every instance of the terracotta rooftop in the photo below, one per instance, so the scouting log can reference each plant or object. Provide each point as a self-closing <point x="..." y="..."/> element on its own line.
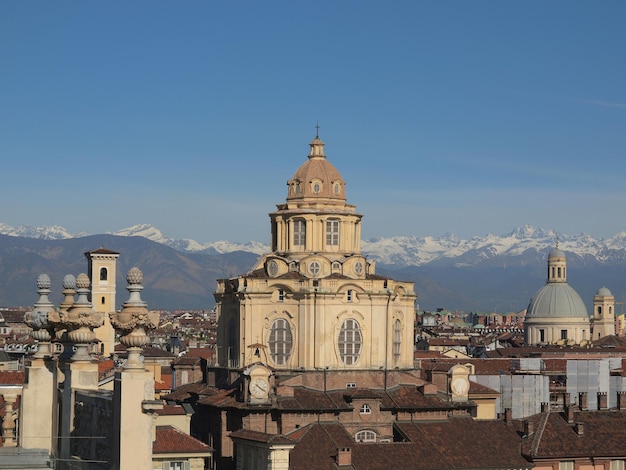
<point x="171" y="410"/>
<point x="204" y="353"/>
<point x="604" y="435"/>
<point x="450" y="444"/>
<point x="261" y="437"/>
<point x="170" y="440"/>
<point x="12" y="377"/>
<point x="186" y="391"/>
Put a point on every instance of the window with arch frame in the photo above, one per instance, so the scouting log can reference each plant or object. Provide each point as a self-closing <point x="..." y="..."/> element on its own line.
<point x="104" y="274"/>
<point x="366" y="435"/>
<point x="280" y="341"/>
<point x="350" y="341"/>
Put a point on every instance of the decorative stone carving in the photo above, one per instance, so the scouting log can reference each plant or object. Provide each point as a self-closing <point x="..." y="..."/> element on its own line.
<point x="133" y="320"/>
<point x="41" y="318"/>
<point x="80" y="320"/>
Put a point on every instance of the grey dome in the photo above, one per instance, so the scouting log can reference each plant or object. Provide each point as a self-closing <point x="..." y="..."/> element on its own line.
<point x="556" y="253"/>
<point x="556" y="300"/>
<point x="603" y="291"/>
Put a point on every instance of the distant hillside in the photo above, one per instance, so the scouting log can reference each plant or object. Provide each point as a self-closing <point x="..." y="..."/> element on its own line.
<point x="172" y="279"/>
<point x="489" y="273"/>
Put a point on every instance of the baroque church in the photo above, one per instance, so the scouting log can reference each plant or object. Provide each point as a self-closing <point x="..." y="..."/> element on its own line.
<point x="315" y="354"/>
<point x="315" y="302"/>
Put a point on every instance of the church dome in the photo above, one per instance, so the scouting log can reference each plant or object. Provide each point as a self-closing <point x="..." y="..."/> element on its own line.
<point x="317" y="177"/>
<point x="603" y="291"/>
<point x="556" y="253"/>
<point x="556" y="300"/>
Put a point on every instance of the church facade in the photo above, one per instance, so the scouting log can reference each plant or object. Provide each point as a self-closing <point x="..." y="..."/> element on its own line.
<point x="315" y="302"/>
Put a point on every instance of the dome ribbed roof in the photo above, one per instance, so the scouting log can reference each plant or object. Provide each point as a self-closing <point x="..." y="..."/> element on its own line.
<point x="317" y="177"/>
<point x="557" y="300"/>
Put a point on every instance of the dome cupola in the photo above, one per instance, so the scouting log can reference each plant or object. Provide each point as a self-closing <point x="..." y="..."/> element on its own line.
<point x="316" y="178"/>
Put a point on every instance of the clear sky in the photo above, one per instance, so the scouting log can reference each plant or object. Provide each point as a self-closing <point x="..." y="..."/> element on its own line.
<point x="468" y="117"/>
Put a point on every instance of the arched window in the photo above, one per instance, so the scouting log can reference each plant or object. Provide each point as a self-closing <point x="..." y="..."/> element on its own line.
<point x="397" y="339"/>
<point x="365" y="409"/>
<point x="350" y="342"/>
<point x="280" y="341"/>
<point x="365" y="436"/>
<point x="103" y="274"/>
<point x="299" y="232"/>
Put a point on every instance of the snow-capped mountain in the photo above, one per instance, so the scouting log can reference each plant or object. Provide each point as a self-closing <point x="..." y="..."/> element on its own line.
<point x="417" y="251"/>
<point x="42" y="232"/>
<point x="398" y="251"/>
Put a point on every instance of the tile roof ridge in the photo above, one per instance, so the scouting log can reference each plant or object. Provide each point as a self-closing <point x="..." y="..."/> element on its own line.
<point x="537" y="440"/>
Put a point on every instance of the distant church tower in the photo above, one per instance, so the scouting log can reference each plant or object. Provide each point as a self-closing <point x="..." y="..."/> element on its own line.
<point x="102" y="273"/>
<point x="315" y="301"/>
<point x="603" y="314"/>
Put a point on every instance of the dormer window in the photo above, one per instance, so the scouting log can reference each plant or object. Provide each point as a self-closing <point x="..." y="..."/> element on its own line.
<point x="365" y="409"/>
<point x="365" y="436"/>
<point x="317" y="187"/>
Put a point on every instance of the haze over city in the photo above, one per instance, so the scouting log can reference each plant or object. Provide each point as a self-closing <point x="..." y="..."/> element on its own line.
<point x="464" y="117"/>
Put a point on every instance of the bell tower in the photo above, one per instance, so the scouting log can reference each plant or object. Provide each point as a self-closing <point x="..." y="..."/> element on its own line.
<point x="102" y="274"/>
<point x="603" y="314"/>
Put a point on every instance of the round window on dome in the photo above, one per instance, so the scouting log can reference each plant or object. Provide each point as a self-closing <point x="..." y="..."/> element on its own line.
<point x="317" y="187"/>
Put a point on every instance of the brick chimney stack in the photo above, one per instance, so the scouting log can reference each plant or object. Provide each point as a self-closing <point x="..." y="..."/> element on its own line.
<point x="344" y="456"/>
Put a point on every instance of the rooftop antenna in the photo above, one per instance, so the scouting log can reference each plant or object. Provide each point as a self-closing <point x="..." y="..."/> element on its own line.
<point x="317" y="130"/>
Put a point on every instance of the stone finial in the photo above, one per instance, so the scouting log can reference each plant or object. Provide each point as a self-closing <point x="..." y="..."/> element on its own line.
<point x="80" y="320"/>
<point x="69" y="289"/>
<point x="133" y="320"/>
<point x="39" y="319"/>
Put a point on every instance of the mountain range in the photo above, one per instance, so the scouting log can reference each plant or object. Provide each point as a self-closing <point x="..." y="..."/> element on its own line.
<point x="484" y="273"/>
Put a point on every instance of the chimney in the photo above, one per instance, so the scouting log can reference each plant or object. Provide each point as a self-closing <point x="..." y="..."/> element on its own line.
<point x="566" y="400"/>
<point x="508" y="415"/>
<point x="344" y="456"/>
<point x="582" y="401"/>
<point x="603" y="402"/>
<point x="545" y="407"/>
<point x="570" y="413"/>
<point x="529" y="427"/>
<point x="621" y="401"/>
<point x="580" y="428"/>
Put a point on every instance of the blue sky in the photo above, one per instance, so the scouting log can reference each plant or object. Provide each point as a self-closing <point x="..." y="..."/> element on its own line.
<point x="464" y="117"/>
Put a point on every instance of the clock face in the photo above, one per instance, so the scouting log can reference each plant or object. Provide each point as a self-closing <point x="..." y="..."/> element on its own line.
<point x="459" y="386"/>
<point x="259" y="387"/>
